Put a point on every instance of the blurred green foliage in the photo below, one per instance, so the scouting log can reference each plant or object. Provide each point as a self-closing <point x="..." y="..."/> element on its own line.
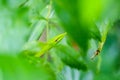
<point x="34" y="27"/>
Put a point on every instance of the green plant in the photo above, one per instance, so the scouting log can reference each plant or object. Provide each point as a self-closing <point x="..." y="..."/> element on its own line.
<point x="40" y="38"/>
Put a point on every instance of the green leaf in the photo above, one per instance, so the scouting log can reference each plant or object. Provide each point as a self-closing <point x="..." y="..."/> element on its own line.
<point x="12" y="68"/>
<point x="70" y="57"/>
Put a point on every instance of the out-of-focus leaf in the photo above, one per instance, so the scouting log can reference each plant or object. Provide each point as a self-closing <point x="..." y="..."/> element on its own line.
<point x="81" y="29"/>
<point x="14" y="29"/>
<point x="38" y="16"/>
<point x="70" y="57"/>
<point x="17" y="23"/>
<point x="13" y="68"/>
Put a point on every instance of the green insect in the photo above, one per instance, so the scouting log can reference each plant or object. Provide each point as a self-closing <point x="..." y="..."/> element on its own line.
<point x="50" y="44"/>
<point x="37" y="48"/>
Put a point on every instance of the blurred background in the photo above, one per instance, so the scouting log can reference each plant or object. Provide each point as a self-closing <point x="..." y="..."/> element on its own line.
<point x="87" y="23"/>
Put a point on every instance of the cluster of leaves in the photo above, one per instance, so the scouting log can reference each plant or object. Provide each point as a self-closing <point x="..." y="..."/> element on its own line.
<point x="27" y="26"/>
